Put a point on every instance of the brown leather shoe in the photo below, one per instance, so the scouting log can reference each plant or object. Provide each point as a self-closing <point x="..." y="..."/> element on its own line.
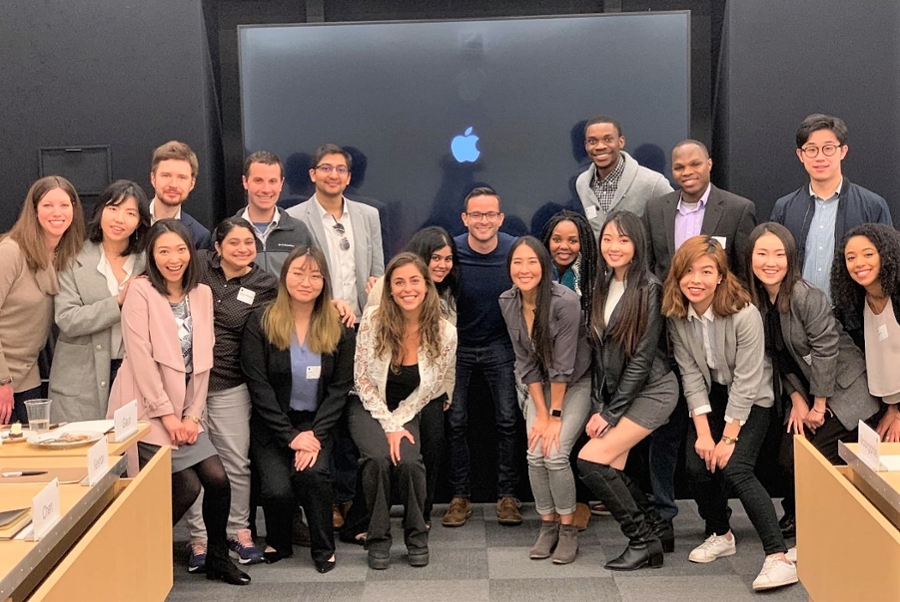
<point x="458" y="513"/>
<point x="339" y="513"/>
<point x="582" y="516"/>
<point x="508" y="511"/>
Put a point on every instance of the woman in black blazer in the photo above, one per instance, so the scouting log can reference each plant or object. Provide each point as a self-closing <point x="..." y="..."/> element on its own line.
<point x="298" y="361"/>
<point x="819" y="369"/>
<point x="634" y="388"/>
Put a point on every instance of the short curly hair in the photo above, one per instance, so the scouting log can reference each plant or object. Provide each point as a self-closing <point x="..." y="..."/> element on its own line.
<point x="847" y="295"/>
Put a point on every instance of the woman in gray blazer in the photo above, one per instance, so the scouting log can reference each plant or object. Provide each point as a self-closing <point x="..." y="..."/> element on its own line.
<point x="88" y="307"/>
<point x="718" y="342"/>
<point x="818" y="367"/>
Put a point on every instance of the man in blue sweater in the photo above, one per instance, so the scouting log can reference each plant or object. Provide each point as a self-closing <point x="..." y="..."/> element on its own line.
<point x="819" y="213"/>
<point x="483" y="345"/>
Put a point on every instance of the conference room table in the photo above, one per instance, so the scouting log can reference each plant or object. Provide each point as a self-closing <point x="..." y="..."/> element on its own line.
<point x="113" y="540"/>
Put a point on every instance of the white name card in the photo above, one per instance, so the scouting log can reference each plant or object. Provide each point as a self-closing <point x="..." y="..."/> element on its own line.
<point x="868" y="446"/>
<point x="125" y="419"/>
<point x="45" y="509"/>
<point x="98" y="461"/>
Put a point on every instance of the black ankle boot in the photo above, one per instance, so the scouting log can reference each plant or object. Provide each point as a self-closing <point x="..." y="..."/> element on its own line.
<point x="220" y="567"/>
<point x="658" y="525"/>
<point x="644" y="548"/>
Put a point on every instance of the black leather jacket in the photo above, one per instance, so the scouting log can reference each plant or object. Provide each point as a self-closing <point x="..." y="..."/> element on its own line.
<point x="617" y="380"/>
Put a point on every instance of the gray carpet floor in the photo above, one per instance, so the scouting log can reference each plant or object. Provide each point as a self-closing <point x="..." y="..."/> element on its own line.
<point x="484" y="561"/>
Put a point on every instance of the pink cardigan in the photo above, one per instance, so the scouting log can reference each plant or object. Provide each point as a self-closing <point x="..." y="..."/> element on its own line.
<point x="153" y="368"/>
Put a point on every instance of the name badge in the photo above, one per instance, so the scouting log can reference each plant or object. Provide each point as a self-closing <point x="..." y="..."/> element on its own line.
<point x="125" y="420"/>
<point x="721" y="240"/>
<point x="313" y="372"/>
<point x="882" y="332"/>
<point x="98" y="461"/>
<point x="247" y="296"/>
<point x="590" y="211"/>
<point x="45" y="509"/>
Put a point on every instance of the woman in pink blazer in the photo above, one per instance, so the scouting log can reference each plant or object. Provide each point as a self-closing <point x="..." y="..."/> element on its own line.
<point x="167" y="329"/>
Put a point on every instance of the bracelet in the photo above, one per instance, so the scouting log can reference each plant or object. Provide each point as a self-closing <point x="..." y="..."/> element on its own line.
<point x="818" y="410"/>
<point x="193" y="419"/>
<point x="729" y="440"/>
<point x="6" y="381"/>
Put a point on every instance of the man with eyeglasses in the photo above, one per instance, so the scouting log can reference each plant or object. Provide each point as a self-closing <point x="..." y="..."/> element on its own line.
<point x="614" y="180"/>
<point x="818" y="214"/>
<point x="276" y="232"/>
<point x="484" y="345"/>
<point x="347" y="231"/>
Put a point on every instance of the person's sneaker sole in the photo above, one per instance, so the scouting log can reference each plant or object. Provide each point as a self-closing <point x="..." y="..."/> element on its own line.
<point x="762" y="588"/>
<point x="730" y="552"/>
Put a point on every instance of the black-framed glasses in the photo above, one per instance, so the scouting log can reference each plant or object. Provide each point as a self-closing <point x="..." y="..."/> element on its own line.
<point x="342" y="231"/>
<point x="327" y="169"/>
<point x="828" y="150"/>
<point x="478" y="215"/>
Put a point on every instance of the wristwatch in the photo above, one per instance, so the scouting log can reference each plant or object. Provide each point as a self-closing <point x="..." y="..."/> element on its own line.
<point x="194" y="419"/>
<point x="5" y="381"/>
<point x="729" y="440"/>
<point x="555" y="413"/>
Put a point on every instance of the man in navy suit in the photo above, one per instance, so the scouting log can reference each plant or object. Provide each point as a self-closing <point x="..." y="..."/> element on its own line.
<point x="173" y="175"/>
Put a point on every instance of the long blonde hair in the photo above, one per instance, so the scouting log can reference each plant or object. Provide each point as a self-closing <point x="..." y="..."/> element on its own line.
<point x="29" y="235"/>
<point x="325" y="326"/>
<point x="390" y="326"/>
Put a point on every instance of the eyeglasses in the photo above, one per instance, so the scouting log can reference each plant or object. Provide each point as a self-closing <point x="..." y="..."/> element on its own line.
<point x="313" y="278"/>
<point x="828" y="150"/>
<point x="478" y="215"/>
<point x="327" y="169"/>
<point x="339" y="228"/>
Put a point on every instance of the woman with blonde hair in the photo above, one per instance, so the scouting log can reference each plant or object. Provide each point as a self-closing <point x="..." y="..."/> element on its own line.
<point x="44" y="240"/>
<point x="297" y="358"/>
<point x="403" y="357"/>
<point x="719" y="344"/>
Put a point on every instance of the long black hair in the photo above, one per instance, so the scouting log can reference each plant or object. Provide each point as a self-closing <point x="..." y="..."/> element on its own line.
<point x="424" y="243"/>
<point x="540" y="330"/>
<point x="758" y="292"/>
<point x="846" y="294"/>
<point x="588" y="267"/>
<point x="632" y="321"/>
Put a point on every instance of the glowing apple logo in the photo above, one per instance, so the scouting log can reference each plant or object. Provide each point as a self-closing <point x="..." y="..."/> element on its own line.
<point x="464" y="147"/>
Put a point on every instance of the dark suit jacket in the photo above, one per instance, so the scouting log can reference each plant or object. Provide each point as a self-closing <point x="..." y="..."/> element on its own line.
<point x="827" y="356"/>
<point x="624" y="378"/>
<point x="727" y="215"/>
<point x="202" y="237"/>
<point x="268" y="373"/>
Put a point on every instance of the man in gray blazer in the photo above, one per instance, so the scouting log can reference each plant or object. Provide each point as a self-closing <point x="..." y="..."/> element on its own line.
<point x="697" y="207"/>
<point x="349" y="233"/>
<point x="614" y="180"/>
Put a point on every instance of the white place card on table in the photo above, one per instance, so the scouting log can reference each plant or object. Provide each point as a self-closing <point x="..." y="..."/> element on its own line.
<point x="869" y="442"/>
<point x="98" y="461"/>
<point x="45" y="510"/>
<point x="126" y="422"/>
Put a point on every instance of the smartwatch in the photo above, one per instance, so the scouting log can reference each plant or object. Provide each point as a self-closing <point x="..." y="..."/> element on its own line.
<point x="555" y="413"/>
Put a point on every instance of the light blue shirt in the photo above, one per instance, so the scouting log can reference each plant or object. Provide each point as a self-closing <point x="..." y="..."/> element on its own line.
<point x="820" y="242"/>
<point x="306" y="368"/>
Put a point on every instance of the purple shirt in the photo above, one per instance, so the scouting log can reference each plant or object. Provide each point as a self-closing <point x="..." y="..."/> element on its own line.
<point x="689" y="220"/>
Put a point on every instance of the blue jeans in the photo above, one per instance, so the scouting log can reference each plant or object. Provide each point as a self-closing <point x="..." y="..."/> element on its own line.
<point x="497" y="363"/>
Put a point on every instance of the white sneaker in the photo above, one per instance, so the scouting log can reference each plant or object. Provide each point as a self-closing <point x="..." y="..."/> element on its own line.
<point x="775" y="573"/>
<point x="791" y="555"/>
<point x="715" y="546"/>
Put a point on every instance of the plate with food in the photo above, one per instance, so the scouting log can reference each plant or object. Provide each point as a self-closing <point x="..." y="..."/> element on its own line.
<point x="65" y="440"/>
<point x="15" y="433"/>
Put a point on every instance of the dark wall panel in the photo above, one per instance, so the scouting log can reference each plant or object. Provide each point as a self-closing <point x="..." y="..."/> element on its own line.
<point x="785" y="60"/>
<point x="128" y="74"/>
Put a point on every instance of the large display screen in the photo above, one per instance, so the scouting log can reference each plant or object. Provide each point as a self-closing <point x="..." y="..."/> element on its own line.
<point x="430" y="109"/>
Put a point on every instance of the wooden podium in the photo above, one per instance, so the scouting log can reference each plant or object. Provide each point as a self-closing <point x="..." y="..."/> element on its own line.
<point x="848" y="549"/>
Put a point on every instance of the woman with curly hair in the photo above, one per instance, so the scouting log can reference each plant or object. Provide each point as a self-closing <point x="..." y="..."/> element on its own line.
<point x="719" y="343"/>
<point x="866" y="292"/>
<point x="634" y="388"/>
<point x="821" y="373"/>
<point x="403" y="354"/>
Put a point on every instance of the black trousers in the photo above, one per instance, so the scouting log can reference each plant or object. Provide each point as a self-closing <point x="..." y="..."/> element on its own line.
<point x="711" y="489"/>
<point x="283" y="487"/>
<point x="380" y="477"/>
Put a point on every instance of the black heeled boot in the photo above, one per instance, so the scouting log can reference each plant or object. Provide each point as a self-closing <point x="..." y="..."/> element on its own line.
<point x="644" y="548"/>
<point x="658" y="525"/>
<point x="220" y="567"/>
